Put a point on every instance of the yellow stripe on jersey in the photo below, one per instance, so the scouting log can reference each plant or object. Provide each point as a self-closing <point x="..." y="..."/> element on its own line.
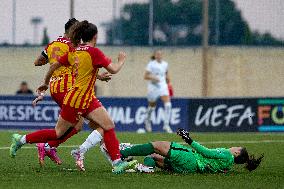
<point x="83" y="88"/>
<point x="60" y="81"/>
<point x="90" y="93"/>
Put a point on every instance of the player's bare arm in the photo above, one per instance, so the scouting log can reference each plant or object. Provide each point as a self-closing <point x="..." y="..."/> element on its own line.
<point x="115" y="68"/>
<point x="167" y="77"/>
<point x="44" y="86"/>
<point x="38" y="98"/>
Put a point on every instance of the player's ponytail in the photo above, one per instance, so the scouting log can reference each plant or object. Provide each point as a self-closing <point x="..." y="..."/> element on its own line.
<point x="76" y="32"/>
<point x="69" y="24"/>
<point x="84" y="31"/>
<point x="152" y="57"/>
<point x="251" y="162"/>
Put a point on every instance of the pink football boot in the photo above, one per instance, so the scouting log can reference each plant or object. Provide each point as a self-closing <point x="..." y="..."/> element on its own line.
<point x="52" y="154"/>
<point x="41" y="153"/>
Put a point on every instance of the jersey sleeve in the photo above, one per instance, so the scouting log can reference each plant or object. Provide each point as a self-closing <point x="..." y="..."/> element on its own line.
<point x="63" y="60"/>
<point x="217" y="153"/>
<point x="167" y="67"/>
<point x="99" y="58"/>
<point x="149" y="67"/>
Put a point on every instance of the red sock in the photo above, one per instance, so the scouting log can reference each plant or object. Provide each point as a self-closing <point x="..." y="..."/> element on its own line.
<point x="41" y="136"/>
<point x="112" y="144"/>
<point x="55" y="143"/>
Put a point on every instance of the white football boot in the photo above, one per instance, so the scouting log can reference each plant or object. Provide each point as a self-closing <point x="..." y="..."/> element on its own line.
<point x="122" y="146"/>
<point x="143" y="168"/>
<point x="79" y="159"/>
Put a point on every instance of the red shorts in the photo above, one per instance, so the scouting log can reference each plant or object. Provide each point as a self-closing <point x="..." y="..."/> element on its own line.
<point x="58" y="98"/>
<point x="73" y="115"/>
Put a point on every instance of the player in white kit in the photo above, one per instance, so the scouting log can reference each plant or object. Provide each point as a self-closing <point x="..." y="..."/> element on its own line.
<point x="158" y="78"/>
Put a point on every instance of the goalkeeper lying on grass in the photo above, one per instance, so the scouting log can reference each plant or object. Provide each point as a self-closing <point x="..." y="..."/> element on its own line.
<point x="178" y="158"/>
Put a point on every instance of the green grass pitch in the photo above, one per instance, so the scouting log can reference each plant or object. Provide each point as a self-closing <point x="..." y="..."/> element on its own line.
<point x="24" y="171"/>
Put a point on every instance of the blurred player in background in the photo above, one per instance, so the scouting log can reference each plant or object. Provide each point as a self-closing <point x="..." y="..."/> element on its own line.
<point x="158" y="79"/>
<point x="80" y="100"/>
<point x="177" y="158"/>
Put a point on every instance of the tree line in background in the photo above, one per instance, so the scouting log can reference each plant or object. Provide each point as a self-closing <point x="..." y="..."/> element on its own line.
<point x="44" y="41"/>
<point x="180" y="23"/>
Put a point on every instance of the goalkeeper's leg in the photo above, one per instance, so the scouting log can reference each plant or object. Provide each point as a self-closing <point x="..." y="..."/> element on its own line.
<point x="159" y="147"/>
<point x="154" y="160"/>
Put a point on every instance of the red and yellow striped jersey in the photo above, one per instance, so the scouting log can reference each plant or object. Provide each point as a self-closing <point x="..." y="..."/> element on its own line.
<point x="62" y="78"/>
<point x="86" y="61"/>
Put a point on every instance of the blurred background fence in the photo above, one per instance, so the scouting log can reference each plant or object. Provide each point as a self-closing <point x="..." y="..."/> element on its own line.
<point x="232" y="71"/>
<point x="217" y="50"/>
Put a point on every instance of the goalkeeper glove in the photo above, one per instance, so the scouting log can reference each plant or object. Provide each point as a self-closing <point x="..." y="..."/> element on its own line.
<point x="184" y="135"/>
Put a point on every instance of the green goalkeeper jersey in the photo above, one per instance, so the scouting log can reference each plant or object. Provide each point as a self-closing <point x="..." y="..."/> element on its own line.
<point x="212" y="160"/>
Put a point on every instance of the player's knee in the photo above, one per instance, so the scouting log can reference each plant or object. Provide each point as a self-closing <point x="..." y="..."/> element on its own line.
<point x="58" y="132"/>
<point x="152" y="104"/>
<point x="157" y="145"/>
<point x="154" y="144"/>
<point x="109" y="125"/>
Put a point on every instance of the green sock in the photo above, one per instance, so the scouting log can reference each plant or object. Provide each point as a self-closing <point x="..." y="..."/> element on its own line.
<point x="138" y="150"/>
<point x="149" y="161"/>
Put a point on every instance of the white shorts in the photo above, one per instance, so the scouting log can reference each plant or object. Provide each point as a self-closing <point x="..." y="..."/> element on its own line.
<point x="155" y="93"/>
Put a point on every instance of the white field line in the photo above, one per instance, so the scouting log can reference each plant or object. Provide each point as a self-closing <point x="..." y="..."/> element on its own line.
<point x="211" y="142"/>
<point x="32" y="147"/>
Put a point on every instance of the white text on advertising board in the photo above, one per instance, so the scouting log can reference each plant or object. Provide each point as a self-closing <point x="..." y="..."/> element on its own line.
<point x="224" y="115"/>
<point x="127" y="115"/>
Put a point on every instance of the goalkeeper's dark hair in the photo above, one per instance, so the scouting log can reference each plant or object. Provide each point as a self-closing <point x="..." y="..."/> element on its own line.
<point x="84" y="31"/>
<point x="69" y="24"/>
<point x="251" y="163"/>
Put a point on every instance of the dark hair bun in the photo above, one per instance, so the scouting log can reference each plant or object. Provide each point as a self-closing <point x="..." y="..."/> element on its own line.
<point x="70" y="23"/>
<point x="253" y="162"/>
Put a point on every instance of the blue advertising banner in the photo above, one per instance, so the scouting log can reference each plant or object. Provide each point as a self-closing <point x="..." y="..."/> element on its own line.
<point x="17" y="112"/>
<point x="270" y="114"/>
<point x="236" y="114"/>
<point x="200" y="115"/>
<point x="129" y="113"/>
<point x="223" y="115"/>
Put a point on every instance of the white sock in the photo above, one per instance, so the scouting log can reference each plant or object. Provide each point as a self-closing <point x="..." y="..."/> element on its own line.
<point x="93" y="139"/>
<point x="168" y="110"/>
<point x="105" y="153"/>
<point x="23" y="140"/>
<point x="149" y="112"/>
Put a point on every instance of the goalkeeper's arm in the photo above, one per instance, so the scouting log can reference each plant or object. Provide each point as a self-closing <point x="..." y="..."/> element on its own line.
<point x="210" y="153"/>
<point x="184" y="135"/>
